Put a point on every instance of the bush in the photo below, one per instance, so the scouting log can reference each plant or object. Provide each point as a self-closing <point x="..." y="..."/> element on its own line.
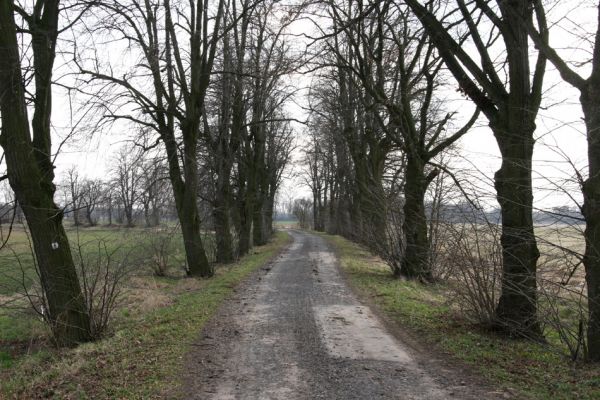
<point x="473" y="255"/>
<point x="101" y="274"/>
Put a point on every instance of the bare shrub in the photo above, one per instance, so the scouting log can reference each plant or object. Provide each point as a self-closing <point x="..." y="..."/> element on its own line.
<point x="161" y="247"/>
<point x="563" y="311"/>
<point x="101" y="269"/>
<point x="562" y="300"/>
<point x="392" y="249"/>
<point x="472" y="251"/>
<point x="101" y="273"/>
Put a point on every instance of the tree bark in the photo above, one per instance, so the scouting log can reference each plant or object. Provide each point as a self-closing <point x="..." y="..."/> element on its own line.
<point x="245" y="229"/>
<point x="517" y="308"/>
<point x="591" y="210"/>
<point x="110" y="210"/>
<point x="589" y="90"/>
<point x="244" y="200"/>
<point x="185" y="193"/>
<point x="259" y="172"/>
<point x="195" y="254"/>
<point x="30" y="174"/>
<point x="415" y="261"/>
<point x="222" y="219"/>
<point x="89" y="217"/>
<point x="129" y="215"/>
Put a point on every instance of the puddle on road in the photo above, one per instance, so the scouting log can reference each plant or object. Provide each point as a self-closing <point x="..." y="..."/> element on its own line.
<point x="351" y="331"/>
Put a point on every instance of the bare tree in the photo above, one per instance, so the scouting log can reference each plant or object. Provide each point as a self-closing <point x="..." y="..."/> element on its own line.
<point x="127" y="178"/>
<point x="302" y="211"/>
<point x="154" y="189"/>
<point x="278" y="155"/>
<point x="73" y="193"/>
<point x="176" y="43"/>
<point x="223" y="139"/>
<point x="508" y="93"/>
<point x="91" y="196"/>
<point x="108" y="201"/>
<point x="269" y="61"/>
<point x="29" y="159"/>
<point x="589" y="89"/>
<point x="405" y="86"/>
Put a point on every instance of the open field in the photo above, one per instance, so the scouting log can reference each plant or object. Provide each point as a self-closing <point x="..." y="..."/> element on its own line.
<point x="156" y="320"/>
<point x="17" y="270"/>
<point x="285" y="224"/>
<point x="526" y="369"/>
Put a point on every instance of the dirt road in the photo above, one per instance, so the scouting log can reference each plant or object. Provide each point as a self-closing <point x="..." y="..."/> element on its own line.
<point x="296" y="331"/>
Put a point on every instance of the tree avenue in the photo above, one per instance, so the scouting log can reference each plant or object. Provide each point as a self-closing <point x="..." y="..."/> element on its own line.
<point x="367" y="105"/>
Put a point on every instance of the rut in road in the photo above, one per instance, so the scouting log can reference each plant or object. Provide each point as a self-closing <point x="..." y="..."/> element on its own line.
<point x="296" y="331"/>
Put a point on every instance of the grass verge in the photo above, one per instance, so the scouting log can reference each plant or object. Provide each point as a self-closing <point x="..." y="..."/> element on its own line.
<point x="527" y="370"/>
<point x="144" y="356"/>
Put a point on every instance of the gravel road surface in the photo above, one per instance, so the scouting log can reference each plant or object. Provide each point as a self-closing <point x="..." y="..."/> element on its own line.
<point x="296" y="331"/>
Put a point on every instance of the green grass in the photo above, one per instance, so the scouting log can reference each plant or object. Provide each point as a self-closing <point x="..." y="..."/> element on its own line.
<point x="527" y="369"/>
<point x="132" y="244"/>
<point x="144" y="356"/>
<point x="16" y="327"/>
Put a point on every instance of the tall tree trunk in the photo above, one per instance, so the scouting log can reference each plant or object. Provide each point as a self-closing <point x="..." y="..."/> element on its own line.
<point x="189" y="217"/>
<point x="269" y="208"/>
<point x="147" y="215"/>
<point x="517" y="308"/>
<point x="185" y="193"/>
<point x="316" y="210"/>
<point x="76" y="210"/>
<point x="269" y="216"/>
<point x="590" y="102"/>
<point x="195" y="254"/>
<point x="511" y="105"/>
<point x="259" y="172"/>
<point x="66" y="305"/>
<point x="375" y="203"/>
<point x="89" y="217"/>
<point x="333" y="225"/>
<point x="245" y="229"/>
<point x="244" y="200"/>
<point x="259" y="236"/>
<point x="30" y="174"/>
<point x="369" y="208"/>
<point x="356" y="212"/>
<point x="589" y="90"/>
<point x="223" y="234"/>
<point x="110" y="211"/>
<point x="415" y="260"/>
<point x="119" y="214"/>
<point x="129" y="216"/>
<point x="222" y="220"/>
<point x="155" y="216"/>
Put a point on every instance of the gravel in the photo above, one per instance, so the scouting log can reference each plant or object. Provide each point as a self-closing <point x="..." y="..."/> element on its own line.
<point x="296" y="331"/>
